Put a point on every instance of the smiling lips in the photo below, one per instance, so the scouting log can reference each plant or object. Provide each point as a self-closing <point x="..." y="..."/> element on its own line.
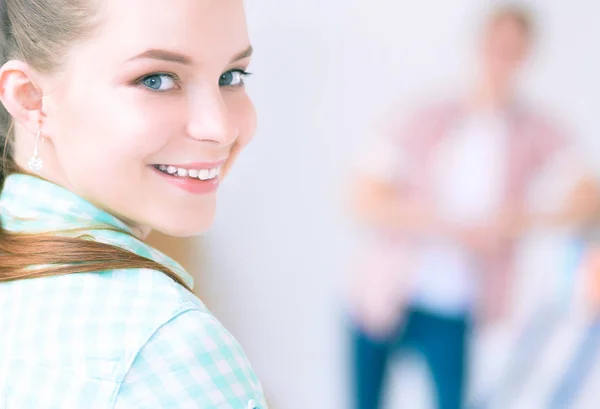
<point x="198" y="178"/>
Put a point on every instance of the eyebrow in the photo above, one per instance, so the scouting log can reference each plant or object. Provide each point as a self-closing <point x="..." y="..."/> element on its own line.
<point x="171" y="56"/>
<point x="164" y="55"/>
<point x="244" y="54"/>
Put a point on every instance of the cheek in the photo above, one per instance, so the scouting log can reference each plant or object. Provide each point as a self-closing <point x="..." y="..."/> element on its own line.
<point x="243" y="114"/>
<point x="113" y="129"/>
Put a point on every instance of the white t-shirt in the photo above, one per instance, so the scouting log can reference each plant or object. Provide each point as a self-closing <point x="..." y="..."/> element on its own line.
<point x="468" y="178"/>
<point x="469" y="172"/>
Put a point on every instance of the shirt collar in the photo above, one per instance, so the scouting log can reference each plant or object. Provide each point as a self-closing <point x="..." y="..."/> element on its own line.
<point x="29" y="204"/>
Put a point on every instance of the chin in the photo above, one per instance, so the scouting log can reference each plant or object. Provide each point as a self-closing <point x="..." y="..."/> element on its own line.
<point x="183" y="232"/>
<point x="184" y="227"/>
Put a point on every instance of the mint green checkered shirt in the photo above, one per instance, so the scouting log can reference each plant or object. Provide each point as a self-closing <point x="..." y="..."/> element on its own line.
<point x="121" y="339"/>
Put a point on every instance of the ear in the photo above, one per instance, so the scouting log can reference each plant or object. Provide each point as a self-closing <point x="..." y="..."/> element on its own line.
<point x="20" y="95"/>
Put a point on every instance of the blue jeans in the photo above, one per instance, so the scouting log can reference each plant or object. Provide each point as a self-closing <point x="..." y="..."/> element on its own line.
<point x="442" y="342"/>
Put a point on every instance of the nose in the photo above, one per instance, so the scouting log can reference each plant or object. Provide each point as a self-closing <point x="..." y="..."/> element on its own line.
<point x="209" y="117"/>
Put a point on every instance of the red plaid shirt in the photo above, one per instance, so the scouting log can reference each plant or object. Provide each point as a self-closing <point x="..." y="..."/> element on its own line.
<point x="532" y="141"/>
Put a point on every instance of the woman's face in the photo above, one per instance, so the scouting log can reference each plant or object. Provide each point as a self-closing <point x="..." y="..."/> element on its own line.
<point x="149" y="113"/>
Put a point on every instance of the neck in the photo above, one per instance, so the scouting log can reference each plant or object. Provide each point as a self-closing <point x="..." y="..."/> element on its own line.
<point x="141" y="232"/>
<point x="491" y="94"/>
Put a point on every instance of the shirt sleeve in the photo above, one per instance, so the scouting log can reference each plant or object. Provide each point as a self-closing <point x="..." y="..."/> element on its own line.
<point x="560" y="166"/>
<point x="191" y="362"/>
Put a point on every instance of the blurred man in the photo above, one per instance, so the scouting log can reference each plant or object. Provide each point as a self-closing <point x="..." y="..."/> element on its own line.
<point x="445" y="196"/>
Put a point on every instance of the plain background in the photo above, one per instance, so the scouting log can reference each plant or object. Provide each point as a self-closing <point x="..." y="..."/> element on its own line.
<point x="324" y="70"/>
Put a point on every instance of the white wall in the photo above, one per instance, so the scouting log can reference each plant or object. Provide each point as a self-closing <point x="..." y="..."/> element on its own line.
<point x="323" y="71"/>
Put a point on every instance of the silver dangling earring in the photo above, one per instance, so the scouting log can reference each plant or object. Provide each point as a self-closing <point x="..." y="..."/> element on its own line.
<point x="35" y="162"/>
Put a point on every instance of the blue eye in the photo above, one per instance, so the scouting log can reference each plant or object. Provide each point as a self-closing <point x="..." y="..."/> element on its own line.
<point x="233" y="78"/>
<point x="159" y="82"/>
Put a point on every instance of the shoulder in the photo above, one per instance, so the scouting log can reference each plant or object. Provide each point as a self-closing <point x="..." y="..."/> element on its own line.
<point x="138" y="302"/>
<point x="423" y="120"/>
<point x="539" y="119"/>
<point x="147" y="287"/>
<point x="192" y="360"/>
<point x="92" y="323"/>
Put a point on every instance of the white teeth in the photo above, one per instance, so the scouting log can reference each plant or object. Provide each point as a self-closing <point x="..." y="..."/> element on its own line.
<point x="204" y="174"/>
